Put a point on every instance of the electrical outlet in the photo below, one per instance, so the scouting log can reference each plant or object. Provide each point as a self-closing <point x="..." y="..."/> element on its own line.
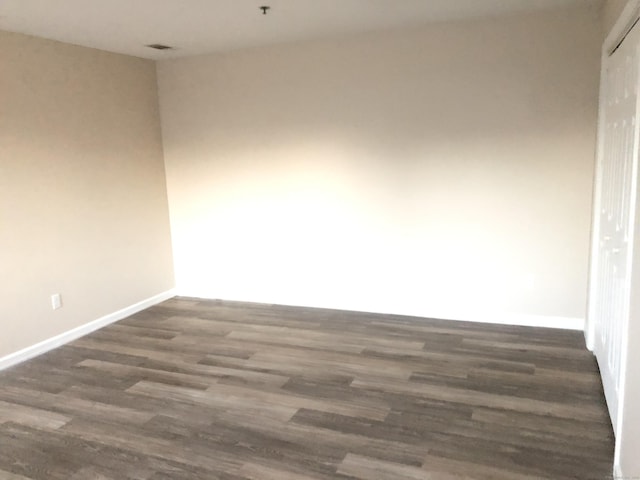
<point x="56" y="301"/>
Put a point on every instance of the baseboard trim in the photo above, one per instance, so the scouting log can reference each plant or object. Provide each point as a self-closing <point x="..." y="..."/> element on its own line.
<point x="541" y="321"/>
<point x="75" y="333"/>
<point x="516" y="319"/>
<point x="617" y="472"/>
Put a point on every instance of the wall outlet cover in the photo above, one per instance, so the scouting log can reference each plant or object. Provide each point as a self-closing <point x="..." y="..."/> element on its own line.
<point x="56" y="301"/>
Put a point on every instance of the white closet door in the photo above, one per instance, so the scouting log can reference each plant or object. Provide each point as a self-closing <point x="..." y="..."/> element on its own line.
<point x="616" y="196"/>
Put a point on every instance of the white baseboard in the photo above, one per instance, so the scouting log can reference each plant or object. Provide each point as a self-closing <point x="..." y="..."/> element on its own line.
<point x="617" y="472"/>
<point x="544" y="321"/>
<point x="66" y="337"/>
<point x="501" y="318"/>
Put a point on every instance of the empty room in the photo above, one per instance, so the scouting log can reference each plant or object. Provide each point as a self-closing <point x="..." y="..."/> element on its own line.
<point x="315" y="240"/>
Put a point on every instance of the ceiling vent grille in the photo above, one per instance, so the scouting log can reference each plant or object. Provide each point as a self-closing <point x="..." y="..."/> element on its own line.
<point x="159" y="46"/>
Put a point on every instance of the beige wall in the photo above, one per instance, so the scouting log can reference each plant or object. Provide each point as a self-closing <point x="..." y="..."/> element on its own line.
<point x="445" y="171"/>
<point x="610" y="13"/>
<point x="83" y="208"/>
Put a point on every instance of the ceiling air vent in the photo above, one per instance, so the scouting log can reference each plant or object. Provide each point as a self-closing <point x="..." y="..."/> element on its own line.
<point x="159" y="46"/>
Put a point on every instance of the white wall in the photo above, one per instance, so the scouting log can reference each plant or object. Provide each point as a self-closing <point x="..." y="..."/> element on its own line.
<point x="83" y="206"/>
<point x="444" y="171"/>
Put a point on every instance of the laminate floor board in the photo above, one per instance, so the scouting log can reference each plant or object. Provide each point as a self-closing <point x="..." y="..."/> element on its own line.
<point x="510" y="384"/>
<point x="215" y="390"/>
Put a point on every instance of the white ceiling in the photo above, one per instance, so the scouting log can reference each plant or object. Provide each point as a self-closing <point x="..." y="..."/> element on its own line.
<point x="202" y="26"/>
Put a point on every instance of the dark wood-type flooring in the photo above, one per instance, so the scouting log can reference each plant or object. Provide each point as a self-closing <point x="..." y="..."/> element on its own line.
<point x="210" y="390"/>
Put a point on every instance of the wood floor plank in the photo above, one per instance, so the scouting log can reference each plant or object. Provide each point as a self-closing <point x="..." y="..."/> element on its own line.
<point x="31" y="416"/>
<point x="194" y="389"/>
<point x="437" y="466"/>
<point x="221" y="399"/>
<point x="599" y="431"/>
<point x="151" y="374"/>
<point x="366" y="468"/>
<point x="11" y="476"/>
<point x="330" y="445"/>
<point x="69" y="406"/>
<point x="477" y="398"/>
<point x="155" y="446"/>
<point x="252" y="471"/>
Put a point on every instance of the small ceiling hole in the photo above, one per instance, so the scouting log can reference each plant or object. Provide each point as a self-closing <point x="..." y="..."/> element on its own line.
<point x="159" y="46"/>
